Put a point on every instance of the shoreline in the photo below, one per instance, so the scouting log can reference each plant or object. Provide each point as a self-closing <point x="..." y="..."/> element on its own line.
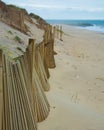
<point x="93" y="25"/>
<point x="80" y="28"/>
<point x="83" y="29"/>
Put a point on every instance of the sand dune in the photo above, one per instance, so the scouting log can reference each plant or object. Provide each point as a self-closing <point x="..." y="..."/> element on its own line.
<point x="77" y="82"/>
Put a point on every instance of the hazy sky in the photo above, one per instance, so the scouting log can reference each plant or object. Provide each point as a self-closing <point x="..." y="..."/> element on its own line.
<point x="63" y="9"/>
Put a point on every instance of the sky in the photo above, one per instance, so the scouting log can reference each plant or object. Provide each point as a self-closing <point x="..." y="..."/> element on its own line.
<point x="63" y="9"/>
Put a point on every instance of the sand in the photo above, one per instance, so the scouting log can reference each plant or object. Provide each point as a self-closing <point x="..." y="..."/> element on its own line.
<point x="77" y="83"/>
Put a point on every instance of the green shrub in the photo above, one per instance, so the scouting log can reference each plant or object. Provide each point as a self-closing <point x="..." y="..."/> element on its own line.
<point x="20" y="49"/>
<point x="16" y="7"/>
<point x="18" y="39"/>
<point x="10" y="32"/>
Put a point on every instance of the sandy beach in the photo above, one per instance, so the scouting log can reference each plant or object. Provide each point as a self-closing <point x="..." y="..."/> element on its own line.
<point x="77" y="83"/>
<point x="52" y="65"/>
<point x="76" y="96"/>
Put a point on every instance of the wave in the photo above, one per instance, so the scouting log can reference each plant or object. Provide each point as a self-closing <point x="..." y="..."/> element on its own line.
<point x="93" y="28"/>
<point x="89" y="26"/>
<point x="85" y="24"/>
<point x="81" y="24"/>
<point x="95" y="25"/>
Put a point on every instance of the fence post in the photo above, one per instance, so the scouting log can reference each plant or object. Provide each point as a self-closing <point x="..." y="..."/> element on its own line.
<point x="1" y="90"/>
<point x="31" y="49"/>
<point x="54" y="31"/>
<point x="22" y="26"/>
<point x="61" y="32"/>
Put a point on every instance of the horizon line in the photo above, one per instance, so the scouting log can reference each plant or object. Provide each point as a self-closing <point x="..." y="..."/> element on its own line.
<point x="71" y="19"/>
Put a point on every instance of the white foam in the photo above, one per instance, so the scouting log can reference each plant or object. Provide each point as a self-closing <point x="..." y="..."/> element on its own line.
<point x="94" y="28"/>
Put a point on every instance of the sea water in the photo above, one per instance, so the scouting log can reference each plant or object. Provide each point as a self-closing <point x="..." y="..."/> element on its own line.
<point x="95" y="25"/>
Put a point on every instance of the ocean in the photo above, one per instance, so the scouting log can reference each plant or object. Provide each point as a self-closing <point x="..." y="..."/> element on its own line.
<point x="94" y="25"/>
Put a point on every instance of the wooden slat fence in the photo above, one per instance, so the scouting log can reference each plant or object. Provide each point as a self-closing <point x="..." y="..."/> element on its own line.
<point x="23" y="81"/>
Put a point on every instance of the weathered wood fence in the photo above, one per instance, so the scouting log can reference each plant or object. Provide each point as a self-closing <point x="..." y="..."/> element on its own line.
<point x="23" y="81"/>
<point x="58" y="32"/>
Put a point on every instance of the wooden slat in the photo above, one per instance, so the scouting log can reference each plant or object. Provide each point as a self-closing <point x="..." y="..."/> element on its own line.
<point x="25" y="99"/>
<point x="41" y="115"/>
<point x="61" y="33"/>
<point x="1" y="89"/>
<point x="22" y="124"/>
<point x="42" y="73"/>
<point x="43" y="107"/>
<point x="31" y="48"/>
<point x="27" y="80"/>
<point x="5" y="97"/>
<point x="14" y="98"/>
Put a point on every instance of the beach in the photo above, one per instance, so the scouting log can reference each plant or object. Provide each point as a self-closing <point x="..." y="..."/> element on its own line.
<point x="52" y="65"/>
<point x="76" y="96"/>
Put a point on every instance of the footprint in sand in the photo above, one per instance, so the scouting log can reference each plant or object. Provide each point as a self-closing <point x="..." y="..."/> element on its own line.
<point x="74" y="66"/>
<point x="53" y="107"/>
<point x="60" y="58"/>
<point x="89" y="89"/>
<point x="60" y="87"/>
<point x="67" y="63"/>
<point x="67" y="53"/>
